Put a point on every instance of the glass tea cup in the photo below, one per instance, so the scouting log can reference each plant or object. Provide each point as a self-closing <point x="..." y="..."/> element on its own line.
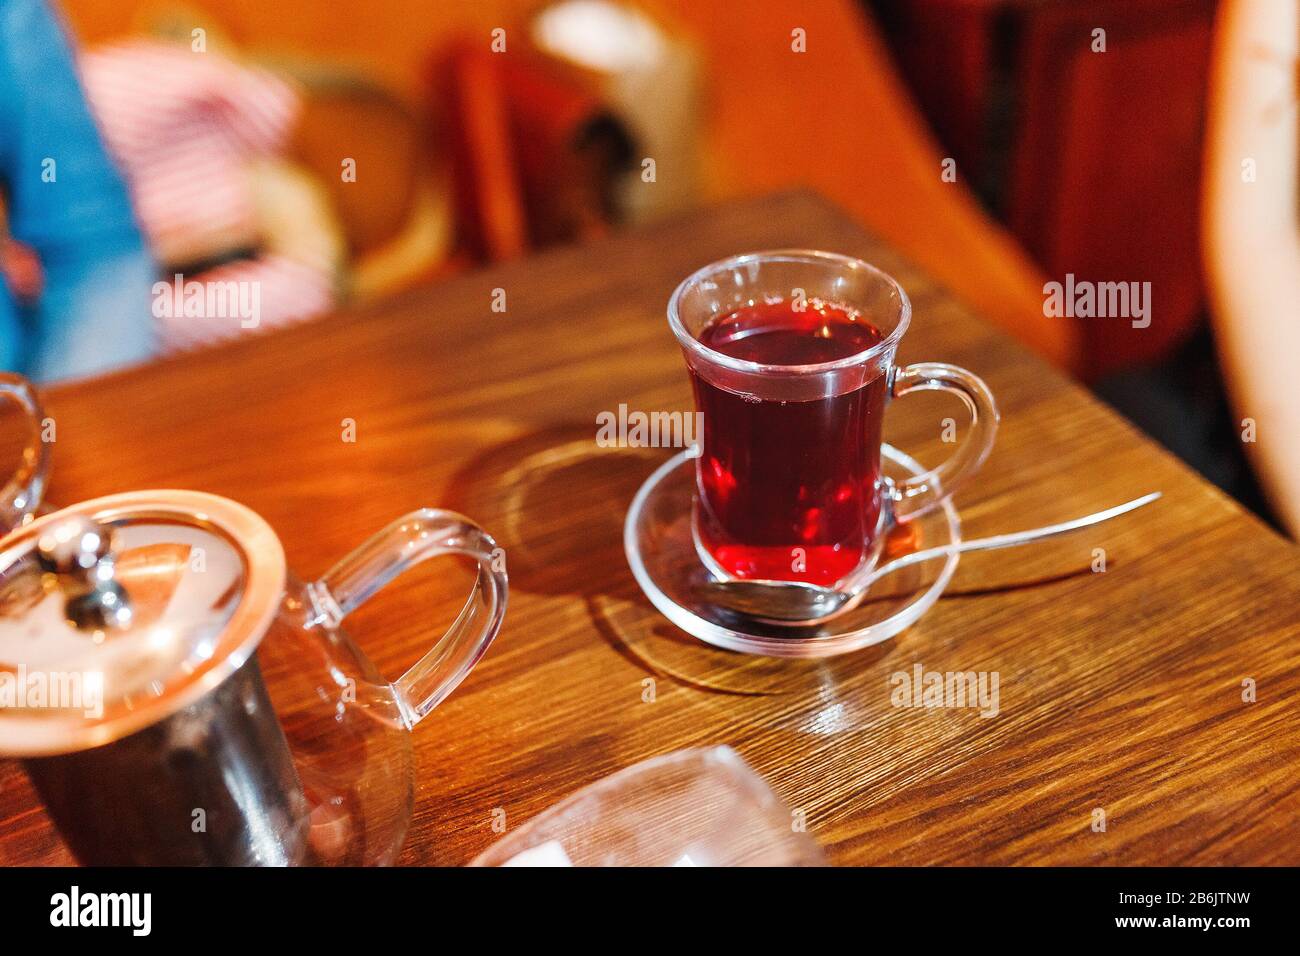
<point x="792" y="360"/>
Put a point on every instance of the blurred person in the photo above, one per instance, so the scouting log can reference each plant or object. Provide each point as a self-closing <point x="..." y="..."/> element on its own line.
<point x="1252" y="233"/>
<point x="246" y="239"/>
<point x="75" y="299"/>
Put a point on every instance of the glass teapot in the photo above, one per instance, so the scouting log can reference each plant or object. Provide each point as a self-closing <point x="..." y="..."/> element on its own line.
<point x="21" y="493"/>
<point x="178" y="697"/>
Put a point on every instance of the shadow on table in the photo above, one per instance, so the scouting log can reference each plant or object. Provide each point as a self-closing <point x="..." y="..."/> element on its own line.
<point x="556" y="502"/>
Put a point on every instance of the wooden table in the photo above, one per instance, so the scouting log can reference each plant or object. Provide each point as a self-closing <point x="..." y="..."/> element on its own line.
<point x="1120" y="690"/>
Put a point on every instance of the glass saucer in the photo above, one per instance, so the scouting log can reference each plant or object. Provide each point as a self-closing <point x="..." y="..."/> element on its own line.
<point x="659" y="547"/>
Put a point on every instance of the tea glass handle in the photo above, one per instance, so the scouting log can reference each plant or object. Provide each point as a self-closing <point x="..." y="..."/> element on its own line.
<point x="408" y="541"/>
<point x="913" y="497"/>
<point x="22" y="494"/>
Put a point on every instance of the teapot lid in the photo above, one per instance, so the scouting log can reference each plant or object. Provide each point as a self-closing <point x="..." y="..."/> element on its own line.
<point x="119" y="611"/>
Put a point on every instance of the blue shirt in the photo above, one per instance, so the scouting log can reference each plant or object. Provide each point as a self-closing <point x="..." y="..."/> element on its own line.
<point x="65" y="199"/>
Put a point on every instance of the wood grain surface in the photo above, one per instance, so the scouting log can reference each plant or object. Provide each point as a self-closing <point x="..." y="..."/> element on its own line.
<point x="1120" y="691"/>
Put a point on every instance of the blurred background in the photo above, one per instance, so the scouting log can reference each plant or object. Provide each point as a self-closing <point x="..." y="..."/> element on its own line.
<point x="337" y="153"/>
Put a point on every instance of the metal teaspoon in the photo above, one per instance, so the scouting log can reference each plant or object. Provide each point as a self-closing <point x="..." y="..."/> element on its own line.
<point x="794" y="602"/>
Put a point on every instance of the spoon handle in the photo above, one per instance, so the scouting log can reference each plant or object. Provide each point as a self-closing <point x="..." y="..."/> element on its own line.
<point x="1013" y="538"/>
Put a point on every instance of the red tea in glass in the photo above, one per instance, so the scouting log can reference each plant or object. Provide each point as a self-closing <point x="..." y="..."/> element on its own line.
<point x="791" y="356"/>
<point x="789" y="486"/>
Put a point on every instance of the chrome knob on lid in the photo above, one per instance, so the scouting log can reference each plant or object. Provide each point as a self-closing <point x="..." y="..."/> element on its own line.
<point x="79" y="551"/>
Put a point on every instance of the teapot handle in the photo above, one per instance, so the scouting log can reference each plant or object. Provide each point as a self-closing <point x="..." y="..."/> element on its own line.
<point x="22" y="494"/>
<point x="408" y="541"/>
